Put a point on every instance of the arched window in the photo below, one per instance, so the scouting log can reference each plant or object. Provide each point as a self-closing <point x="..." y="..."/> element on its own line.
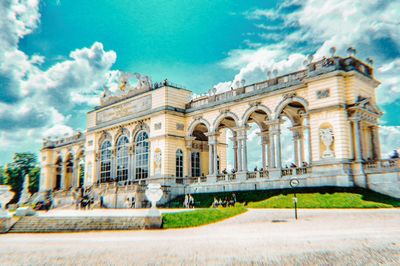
<point x="142" y="155"/>
<point x="105" y="163"/>
<point x="122" y="158"/>
<point x="179" y="163"/>
<point x="195" y="164"/>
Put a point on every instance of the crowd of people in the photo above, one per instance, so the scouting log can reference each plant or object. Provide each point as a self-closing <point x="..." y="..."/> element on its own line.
<point x="227" y="202"/>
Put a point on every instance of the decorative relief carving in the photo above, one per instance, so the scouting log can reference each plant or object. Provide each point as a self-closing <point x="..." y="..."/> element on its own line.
<point x="224" y="111"/>
<point x="327" y="138"/>
<point x="321" y="94"/>
<point x="157" y="161"/>
<point x="157" y="126"/>
<point x="180" y="126"/>
<point x="252" y="104"/>
<point x="197" y="117"/>
<point x="124" y="109"/>
<point x="289" y="95"/>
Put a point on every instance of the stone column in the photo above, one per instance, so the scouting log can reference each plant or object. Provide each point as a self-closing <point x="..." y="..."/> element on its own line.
<point x="240" y="167"/>
<point x="301" y="147"/>
<point x="264" y="141"/>
<point x="215" y="154"/>
<point x="295" y="148"/>
<point x="98" y="165"/>
<point x="235" y="152"/>
<point x="307" y="131"/>
<point x="113" y="164"/>
<point x="189" y="142"/>
<point x="210" y="158"/>
<point x="244" y="149"/>
<point x="278" y="145"/>
<point x="356" y="123"/>
<point x="75" y="174"/>
<point x="352" y="152"/>
<point x="271" y="156"/>
<point x="63" y="169"/>
<point x="376" y="143"/>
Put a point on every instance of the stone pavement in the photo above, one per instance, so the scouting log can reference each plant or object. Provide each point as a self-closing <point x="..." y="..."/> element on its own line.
<point x="258" y="237"/>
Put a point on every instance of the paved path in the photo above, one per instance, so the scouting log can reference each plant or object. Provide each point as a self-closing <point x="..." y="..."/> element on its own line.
<point x="258" y="237"/>
<point x="103" y="212"/>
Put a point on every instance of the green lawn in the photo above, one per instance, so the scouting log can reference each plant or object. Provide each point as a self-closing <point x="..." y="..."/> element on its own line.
<point x="200" y="216"/>
<point x="318" y="200"/>
<point x="321" y="197"/>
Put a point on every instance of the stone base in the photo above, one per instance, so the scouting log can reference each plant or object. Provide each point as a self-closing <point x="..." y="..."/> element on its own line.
<point x="24" y="211"/>
<point x="152" y="222"/>
<point x="5" y="223"/>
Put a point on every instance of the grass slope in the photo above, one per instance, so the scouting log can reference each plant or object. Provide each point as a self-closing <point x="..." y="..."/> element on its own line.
<point x="329" y="197"/>
<point x="318" y="200"/>
<point x="200" y="216"/>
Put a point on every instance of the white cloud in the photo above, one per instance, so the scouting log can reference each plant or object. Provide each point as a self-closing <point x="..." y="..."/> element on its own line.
<point x="372" y="27"/>
<point x="34" y="101"/>
<point x="390" y="139"/>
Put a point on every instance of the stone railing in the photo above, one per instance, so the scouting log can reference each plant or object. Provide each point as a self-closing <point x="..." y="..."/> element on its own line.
<point x="48" y="143"/>
<point x="252" y="175"/>
<point x="382" y="165"/>
<point x="324" y="65"/>
<point x="295" y="171"/>
<point x="220" y="178"/>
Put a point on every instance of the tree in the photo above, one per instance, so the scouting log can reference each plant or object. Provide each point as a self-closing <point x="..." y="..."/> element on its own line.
<point x="1" y="175"/>
<point x="14" y="173"/>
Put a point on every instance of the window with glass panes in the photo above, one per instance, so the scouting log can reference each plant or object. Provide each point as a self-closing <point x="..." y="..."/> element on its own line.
<point x="179" y="163"/>
<point x="142" y="155"/>
<point x="195" y="164"/>
<point x="105" y="162"/>
<point x="122" y="158"/>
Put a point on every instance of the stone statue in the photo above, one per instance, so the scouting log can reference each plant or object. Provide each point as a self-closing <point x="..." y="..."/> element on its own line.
<point x="154" y="194"/>
<point x="144" y="82"/>
<point x="327" y="138"/>
<point x="25" y="195"/>
<point x="157" y="161"/>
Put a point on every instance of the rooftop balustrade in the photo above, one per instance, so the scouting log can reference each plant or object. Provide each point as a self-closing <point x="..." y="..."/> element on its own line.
<point x="313" y="69"/>
<point x="49" y="143"/>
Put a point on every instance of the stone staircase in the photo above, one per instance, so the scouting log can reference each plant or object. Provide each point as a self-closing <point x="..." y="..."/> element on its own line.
<point x="41" y="224"/>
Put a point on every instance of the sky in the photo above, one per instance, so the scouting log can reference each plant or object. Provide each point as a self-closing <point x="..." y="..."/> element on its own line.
<point x="57" y="55"/>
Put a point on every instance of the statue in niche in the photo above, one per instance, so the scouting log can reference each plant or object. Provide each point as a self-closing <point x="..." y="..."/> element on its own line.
<point x="327" y="138"/>
<point x="157" y="162"/>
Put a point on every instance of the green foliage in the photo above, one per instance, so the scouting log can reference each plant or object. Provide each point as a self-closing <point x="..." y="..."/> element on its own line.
<point x="200" y="216"/>
<point x="2" y="175"/>
<point x="14" y="173"/>
<point x="318" y="200"/>
<point x="247" y="197"/>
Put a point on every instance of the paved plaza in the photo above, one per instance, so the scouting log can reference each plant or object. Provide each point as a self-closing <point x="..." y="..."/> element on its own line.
<point x="258" y="237"/>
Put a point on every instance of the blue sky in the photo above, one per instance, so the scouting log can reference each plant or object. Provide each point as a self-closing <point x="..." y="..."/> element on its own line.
<point x="55" y="55"/>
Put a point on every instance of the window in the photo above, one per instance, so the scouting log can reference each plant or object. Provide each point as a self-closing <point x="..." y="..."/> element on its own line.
<point x="122" y="158"/>
<point x="195" y="164"/>
<point x="105" y="162"/>
<point x="179" y="163"/>
<point x="218" y="165"/>
<point x="142" y="155"/>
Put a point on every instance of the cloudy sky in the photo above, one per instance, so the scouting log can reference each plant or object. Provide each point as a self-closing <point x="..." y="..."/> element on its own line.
<point x="56" y="55"/>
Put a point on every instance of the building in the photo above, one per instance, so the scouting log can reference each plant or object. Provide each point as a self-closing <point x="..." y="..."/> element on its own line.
<point x="157" y="133"/>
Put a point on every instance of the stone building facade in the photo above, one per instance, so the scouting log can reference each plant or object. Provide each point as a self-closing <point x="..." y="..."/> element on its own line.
<point x="157" y="133"/>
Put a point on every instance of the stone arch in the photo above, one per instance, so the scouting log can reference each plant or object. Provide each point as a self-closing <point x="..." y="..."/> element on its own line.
<point x="281" y="106"/>
<point x="121" y="132"/>
<point x="197" y="122"/>
<point x="254" y="108"/>
<point x="139" y="127"/>
<point x="104" y="136"/>
<point x="224" y="115"/>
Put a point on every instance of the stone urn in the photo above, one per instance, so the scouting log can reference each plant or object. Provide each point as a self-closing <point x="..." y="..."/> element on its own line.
<point x="5" y="196"/>
<point x="154" y="194"/>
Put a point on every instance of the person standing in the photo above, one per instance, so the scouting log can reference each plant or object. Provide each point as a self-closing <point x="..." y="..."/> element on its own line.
<point x="186" y="201"/>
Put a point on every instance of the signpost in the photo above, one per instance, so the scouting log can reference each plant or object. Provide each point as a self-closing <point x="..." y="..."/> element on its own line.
<point x="294" y="182"/>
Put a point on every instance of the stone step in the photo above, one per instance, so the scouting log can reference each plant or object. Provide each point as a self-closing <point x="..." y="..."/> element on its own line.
<point x="32" y="224"/>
